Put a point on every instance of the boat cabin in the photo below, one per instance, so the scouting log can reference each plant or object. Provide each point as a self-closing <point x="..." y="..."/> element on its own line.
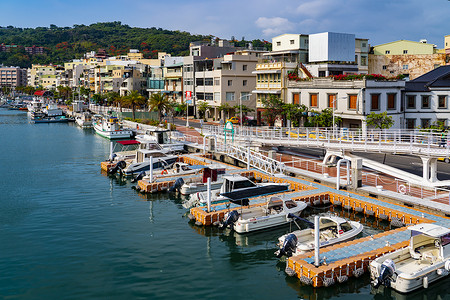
<point x="429" y="242"/>
<point x="233" y="182"/>
<point x="144" y="155"/>
<point x="159" y="135"/>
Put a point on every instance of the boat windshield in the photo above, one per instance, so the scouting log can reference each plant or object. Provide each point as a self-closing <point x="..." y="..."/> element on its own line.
<point x="243" y="184"/>
<point x="346" y="226"/>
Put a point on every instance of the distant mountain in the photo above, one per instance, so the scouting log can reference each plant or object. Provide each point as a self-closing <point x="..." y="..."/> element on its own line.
<point x="63" y="44"/>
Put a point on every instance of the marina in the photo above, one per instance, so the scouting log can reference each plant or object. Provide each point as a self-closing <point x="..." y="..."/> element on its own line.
<point x="124" y="234"/>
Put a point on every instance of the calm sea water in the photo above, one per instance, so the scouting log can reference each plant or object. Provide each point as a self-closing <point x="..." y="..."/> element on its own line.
<point x="69" y="232"/>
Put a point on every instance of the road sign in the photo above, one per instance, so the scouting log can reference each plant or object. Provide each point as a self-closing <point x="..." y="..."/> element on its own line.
<point x="189" y="101"/>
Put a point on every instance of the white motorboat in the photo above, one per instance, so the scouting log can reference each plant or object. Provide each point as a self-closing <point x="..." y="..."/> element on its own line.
<point x="52" y="110"/>
<point x="161" y="136"/>
<point x="84" y="120"/>
<point x="236" y="189"/>
<point x="425" y="260"/>
<point x="333" y="230"/>
<point x="275" y="212"/>
<point x="196" y="185"/>
<point x="141" y="163"/>
<point x="111" y="129"/>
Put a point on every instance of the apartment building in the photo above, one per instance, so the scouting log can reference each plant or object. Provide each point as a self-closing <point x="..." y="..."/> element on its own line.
<point x="12" y="76"/>
<point x="34" y="50"/>
<point x="409" y="58"/>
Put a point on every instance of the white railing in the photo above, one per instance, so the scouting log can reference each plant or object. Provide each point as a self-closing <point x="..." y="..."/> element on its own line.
<point x="418" y="142"/>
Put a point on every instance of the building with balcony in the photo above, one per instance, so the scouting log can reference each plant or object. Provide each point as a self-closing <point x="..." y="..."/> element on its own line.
<point x="34" y="50"/>
<point x="12" y="76"/>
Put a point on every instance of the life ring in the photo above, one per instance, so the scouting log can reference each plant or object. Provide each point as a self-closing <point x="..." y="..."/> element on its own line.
<point x="402" y="189"/>
<point x="164" y="172"/>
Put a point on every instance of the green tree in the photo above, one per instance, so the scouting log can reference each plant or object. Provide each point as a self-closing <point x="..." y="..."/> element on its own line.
<point x="133" y="99"/>
<point x="379" y="120"/>
<point x="323" y="118"/>
<point x="161" y="104"/>
<point x="226" y="109"/>
<point x="202" y="108"/>
<point x="273" y="108"/>
<point x="112" y="97"/>
<point x="296" y="113"/>
<point x="97" y="98"/>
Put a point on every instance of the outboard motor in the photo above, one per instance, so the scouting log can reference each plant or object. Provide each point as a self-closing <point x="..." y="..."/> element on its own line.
<point x="177" y="185"/>
<point x="139" y="177"/>
<point x="119" y="166"/>
<point x="387" y="269"/>
<point x="289" y="245"/>
<point x="230" y="219"/>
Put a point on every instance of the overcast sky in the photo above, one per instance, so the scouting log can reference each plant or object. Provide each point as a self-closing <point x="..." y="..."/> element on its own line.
<point x="381" y="21"/>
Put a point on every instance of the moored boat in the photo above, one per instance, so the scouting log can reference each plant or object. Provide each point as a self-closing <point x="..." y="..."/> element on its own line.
<point x="111" y="129"/>
<point x="275" y="212"/>
<point x="333" y="230"/>
<point x="425" y="260"/>
<point x="84" y="120"/>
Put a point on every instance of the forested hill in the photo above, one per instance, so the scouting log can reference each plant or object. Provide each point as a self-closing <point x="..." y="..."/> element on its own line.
<point x="63" y="44"/>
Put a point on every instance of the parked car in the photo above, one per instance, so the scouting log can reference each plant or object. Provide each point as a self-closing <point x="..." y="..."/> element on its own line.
<point x="234" y="120"/>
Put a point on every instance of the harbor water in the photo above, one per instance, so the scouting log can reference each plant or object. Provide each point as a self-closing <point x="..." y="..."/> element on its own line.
<point x="69" y="232"/>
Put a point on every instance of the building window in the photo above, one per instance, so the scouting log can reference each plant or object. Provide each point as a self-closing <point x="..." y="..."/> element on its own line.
<point x="352" y="100"/>
<point x="391" y="101"/>
<point x="217" y="81"/>
<point x="363" y="45"/>
<point x="278" y="43"/>
<point x="387" y="52"/>
<point x="425" y="101"/>
<point x="216" y="96"/>
<point x="384" y="67"/>
<point x="332" y="100"/>
<point x="411" y="102"/>
<point x="410" y="123"/>
<point x="313" y="100"/>
<point x="425" y="123"/>
<point x="209" y="96"/>
<point x="321" y="73"/>
<point x="442" y="101"/>
<point x="244" y="82"/>
<point x="209" y="81"/>
<point x="229" y="96"/>
<point x="375" y="102"/>
<point x="363" y="60"/>
<point x="199" y="81"/>
<point x="230" y="82"/>
<point x="405" y="67"/>
<point x="405" y="51"/>
<point x="292" y="42"/>
<point x="356" y="59"/>
<point x="244" y="67"/>
<point x="296" y="98"/>
<point x="245" y="96"/>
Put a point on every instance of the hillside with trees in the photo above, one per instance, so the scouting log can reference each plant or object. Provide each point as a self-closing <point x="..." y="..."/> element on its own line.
<point x="63" y="44"/>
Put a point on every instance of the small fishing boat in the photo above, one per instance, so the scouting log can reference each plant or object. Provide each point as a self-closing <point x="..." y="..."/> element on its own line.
<point x="110" y="128"/>
<point x="84" y="120"/>
<point x="275" y="212"/>
<point x="200" y="185"/>
<point x="54" y="119"/>
<point x="161" y="136"/>
<point x="333" y="230"/>
<point x="425" y="260"/>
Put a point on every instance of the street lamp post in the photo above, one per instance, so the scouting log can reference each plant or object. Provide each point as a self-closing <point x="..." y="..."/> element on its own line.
<point x="240" y="105"/>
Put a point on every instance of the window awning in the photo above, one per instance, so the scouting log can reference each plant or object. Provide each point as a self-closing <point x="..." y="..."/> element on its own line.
<point x="266" y="72"/>
<point x="266" y="91"/>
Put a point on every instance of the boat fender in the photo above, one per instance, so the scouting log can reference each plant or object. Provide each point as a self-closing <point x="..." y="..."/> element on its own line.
<point x="347" y="207"/>
<point x="425" y="282"/>
<point x="328" y="282"/>
<point x="383" y="216"/>
<point x="316" y="202"/>
<point x="289" y="271"/>
<point x="396" y="222"/>
<point x="442" y="272"/>
<point x="198" y="223"/>
<point x="370" y="213"/>
<point x="342" y="278"/>
<point x="216" y="223"/>
<point x="337" y="203"/>
<point x="191" y="217"/>
<point x="447" y="265"/>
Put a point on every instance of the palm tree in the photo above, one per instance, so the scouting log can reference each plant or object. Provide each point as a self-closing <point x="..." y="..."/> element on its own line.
<point x="133" y="99"/>
<point x="160" y="103"/>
